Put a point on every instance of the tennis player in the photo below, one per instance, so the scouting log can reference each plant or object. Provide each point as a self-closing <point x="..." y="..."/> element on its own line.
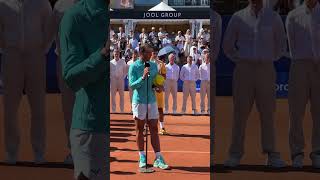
<point x="141" y="79"/>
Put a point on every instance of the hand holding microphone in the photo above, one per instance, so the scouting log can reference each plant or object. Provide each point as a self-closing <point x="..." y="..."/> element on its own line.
<point x="146" y="71"/>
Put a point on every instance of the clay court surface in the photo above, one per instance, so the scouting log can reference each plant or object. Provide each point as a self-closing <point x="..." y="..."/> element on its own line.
<point x="187" y="150"/>
<point x="252" y="164"/>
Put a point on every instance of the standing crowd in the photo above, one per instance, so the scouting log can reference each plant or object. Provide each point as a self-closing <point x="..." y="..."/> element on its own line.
<point x="189" y="61"/>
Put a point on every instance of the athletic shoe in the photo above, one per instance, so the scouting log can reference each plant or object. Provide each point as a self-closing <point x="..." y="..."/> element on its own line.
<point x="165" y="112"/>
<point x="275" y="161"/>
<point x="174" y="112"/>
<point x="232" y="162"/>
<point x="160" y="163"/>
<point x="11" y="160"/>
<point x="183" y="112"/>
<point x="163" y="131"/>
<point x="203" y="112"/>
<point x="297" y="161"/>
<point x="39" y="159"/>
<point x="208" y="112"/>
<point x="194" y="112"/>
<point x="68" y="160"/>
<point x="315" y="161"/>
<point x="142" y="161"/>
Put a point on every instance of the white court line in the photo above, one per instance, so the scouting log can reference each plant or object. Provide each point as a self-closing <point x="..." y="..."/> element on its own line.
<point x="186" y="152"/>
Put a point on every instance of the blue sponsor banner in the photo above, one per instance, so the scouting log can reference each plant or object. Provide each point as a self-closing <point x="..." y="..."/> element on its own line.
<point x="282" y="84"/>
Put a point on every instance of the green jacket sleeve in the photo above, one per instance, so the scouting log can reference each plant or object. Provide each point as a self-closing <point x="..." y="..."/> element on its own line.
<point x="78" y="69"/>
<point x="135" y="82"/>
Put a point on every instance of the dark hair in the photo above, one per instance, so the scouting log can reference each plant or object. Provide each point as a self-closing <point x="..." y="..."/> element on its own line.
<point x="162" y="57"/>
<point x="155" y="49"/>
<point x="189" y="57"/>
<point x="143" y="48"/>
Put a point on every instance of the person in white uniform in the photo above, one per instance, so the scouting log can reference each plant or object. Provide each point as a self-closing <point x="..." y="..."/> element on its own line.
<point x="135" y="56"/>
<point x="25" y="38"/>
<point x="189" y="75"/>
<point x="118" y="71"/>
<point x="171" y="86"/>
<point x="255" y="37"/>
<point x="204" y="71"/>
<point x="303" y="30"/>
<point x="180" y="41"/>
<point x="195" y="55"/>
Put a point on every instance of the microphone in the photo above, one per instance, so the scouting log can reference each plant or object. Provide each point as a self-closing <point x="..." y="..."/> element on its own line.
<point x="147" y="65"/>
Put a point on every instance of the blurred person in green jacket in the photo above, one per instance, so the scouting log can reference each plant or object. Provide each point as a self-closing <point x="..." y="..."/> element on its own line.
<point x="67" y="95"/>
<point x="83" y="33"/>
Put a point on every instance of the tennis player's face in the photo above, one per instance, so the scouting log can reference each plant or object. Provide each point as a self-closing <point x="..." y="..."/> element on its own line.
<point x="147" y="54"/>
<point x="154" y="55"/>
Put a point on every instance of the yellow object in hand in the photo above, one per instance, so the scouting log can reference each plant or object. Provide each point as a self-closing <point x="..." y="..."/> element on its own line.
<point x="158" y="80"/>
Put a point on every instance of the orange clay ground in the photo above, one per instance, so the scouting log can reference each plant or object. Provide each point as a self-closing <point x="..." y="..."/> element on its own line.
<point x="252" y="164"/>
<point x="187" y="150"/>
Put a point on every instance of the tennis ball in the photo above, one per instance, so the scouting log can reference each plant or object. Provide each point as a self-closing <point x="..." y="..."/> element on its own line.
<point x="158" y="80"/>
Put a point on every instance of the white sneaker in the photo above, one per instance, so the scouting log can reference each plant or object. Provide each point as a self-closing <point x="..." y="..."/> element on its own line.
<point x="68" y="160"/>
<point x="194" y="112"/>
<point x="316" y="161"/>
<point x="297" y="161"/>
<point x="232" y="162"/>
<point x="275" y="161"/>
<point x="183" y="112"/>
<point x="165" y="112"/>
<point x="39" y="159"/>
<point x="174" y="112"/>
<point x="203" y="112"/>
<point x="11" y="160"/>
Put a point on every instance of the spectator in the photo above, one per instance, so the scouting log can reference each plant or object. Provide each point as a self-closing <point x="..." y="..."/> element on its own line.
<point x="188" y="42"/>
<point x="180" y="41"/>
<point x="143" y="36"/>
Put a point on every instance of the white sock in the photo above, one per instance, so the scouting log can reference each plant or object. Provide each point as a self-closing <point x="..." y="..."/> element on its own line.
<point x="161" y="125"/>
<point x="158" y="154"/>
<point x="142" y="153"/>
